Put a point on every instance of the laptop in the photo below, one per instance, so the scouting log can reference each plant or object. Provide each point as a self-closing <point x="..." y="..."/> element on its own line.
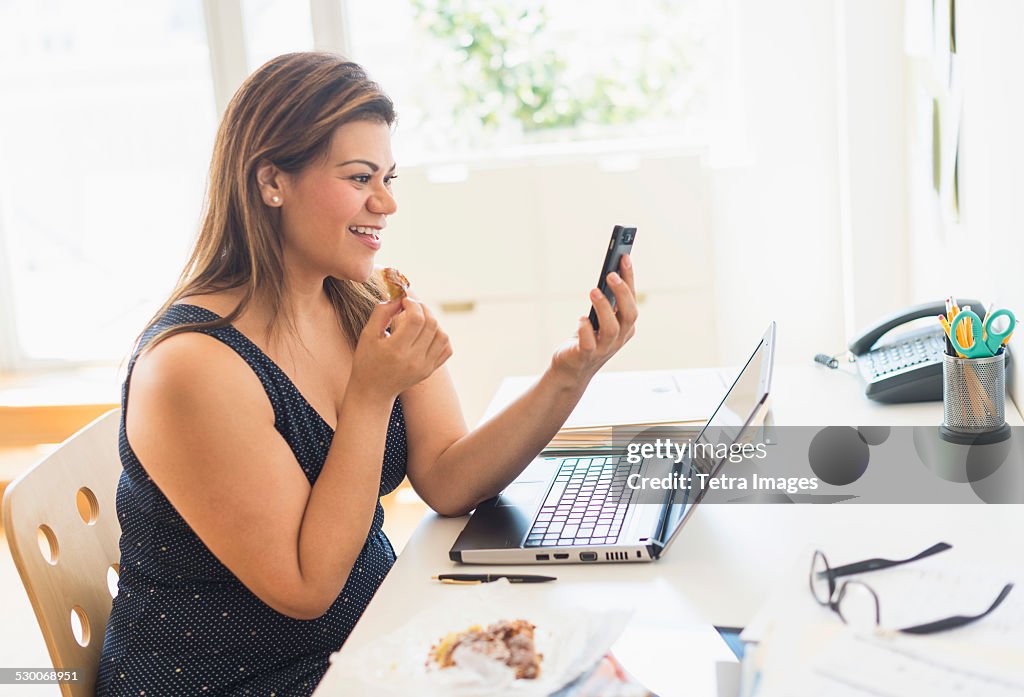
<point x="586" y="506"/>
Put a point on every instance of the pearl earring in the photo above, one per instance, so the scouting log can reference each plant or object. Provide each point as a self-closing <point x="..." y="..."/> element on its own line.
<point x="275" y="199"/>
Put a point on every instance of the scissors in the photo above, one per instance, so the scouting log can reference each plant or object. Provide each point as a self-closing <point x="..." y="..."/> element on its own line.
<point x="981" y="348"/>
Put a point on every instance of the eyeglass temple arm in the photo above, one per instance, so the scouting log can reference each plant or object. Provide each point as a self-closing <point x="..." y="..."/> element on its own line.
<point x="957" y="620"/>
<point x="876" y="564"/>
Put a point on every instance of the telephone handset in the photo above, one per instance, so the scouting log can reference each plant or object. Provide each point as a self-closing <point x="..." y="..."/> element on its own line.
<point x="908" y="367"/>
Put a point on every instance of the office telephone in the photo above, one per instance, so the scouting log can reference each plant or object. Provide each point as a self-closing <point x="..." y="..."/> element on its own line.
<point x="908" y="367"/>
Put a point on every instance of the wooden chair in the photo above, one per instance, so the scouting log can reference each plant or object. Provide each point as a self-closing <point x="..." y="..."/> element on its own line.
<point x="63" y="532"/>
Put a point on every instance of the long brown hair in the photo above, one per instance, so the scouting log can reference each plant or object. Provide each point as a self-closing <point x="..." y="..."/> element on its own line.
<point x="284" y="113"/>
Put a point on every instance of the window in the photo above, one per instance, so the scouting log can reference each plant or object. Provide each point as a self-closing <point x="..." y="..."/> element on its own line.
<point x="273" y="27"/>
<point x="107" y="119"/>
<point x="470" y="75"/>
<point x="106" y="126"/>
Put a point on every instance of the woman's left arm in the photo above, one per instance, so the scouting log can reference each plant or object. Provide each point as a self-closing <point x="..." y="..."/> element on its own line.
<point x="453" y="469"/>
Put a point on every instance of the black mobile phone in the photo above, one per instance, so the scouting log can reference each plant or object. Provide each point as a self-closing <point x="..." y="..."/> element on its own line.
<point x="621" y="243"/>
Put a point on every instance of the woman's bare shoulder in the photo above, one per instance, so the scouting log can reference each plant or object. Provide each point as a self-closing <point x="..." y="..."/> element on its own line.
<point x="185" y="368"/>
<point x="185" y="348"/>
<point x="181" y="386"/>
<point x="191" y="364"/>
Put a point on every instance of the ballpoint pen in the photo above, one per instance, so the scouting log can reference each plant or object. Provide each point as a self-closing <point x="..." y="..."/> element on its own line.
<point x="487" y="578"/>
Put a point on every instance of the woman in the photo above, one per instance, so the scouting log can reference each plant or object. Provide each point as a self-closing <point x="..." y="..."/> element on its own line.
<point x="275" y="399"/>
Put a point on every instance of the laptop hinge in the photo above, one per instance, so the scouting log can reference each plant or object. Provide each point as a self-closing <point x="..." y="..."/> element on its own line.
<point x="662" y="528"/>
<point x="654" y="548"/>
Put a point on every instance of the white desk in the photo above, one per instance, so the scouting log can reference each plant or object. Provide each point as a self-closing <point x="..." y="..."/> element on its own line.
<point x="725" y="562"/>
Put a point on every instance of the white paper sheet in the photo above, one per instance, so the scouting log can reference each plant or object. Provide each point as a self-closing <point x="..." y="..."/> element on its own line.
<point x="936" y="588"/>
<point x="863" y="665"/>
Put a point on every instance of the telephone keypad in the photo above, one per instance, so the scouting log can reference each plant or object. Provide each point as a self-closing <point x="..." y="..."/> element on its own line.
<point x="915" y="351"/>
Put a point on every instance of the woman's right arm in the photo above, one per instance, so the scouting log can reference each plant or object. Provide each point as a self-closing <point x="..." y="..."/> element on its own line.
<point x="201" y="423"/>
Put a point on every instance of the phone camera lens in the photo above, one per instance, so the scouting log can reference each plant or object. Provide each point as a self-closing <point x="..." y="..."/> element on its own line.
<point x="627" y="237"/>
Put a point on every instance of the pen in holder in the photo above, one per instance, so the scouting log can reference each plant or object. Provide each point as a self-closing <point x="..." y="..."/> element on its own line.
<point x="974" y="399"/>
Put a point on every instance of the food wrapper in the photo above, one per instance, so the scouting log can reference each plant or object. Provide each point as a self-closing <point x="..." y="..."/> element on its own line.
<point x="572" y="639"/>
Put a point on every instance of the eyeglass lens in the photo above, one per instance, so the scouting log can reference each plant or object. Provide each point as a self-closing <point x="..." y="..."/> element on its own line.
<point x="857" y="605"/>
<point x="822" y="583"/>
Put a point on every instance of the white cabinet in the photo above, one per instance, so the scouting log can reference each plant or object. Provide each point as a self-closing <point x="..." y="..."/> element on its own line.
<point x="666" y="199"/>
<point x="471" y="240"/>
<point x="675" y="330"/>
<point x="492" y="340"/>
<point x="513" y="251"/>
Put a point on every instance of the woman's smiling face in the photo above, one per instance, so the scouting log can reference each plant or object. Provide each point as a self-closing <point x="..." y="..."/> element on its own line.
<point x="334" y="210"/>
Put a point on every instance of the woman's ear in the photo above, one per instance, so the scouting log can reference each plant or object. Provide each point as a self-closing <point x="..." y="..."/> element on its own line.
<point x="269" y="179"/>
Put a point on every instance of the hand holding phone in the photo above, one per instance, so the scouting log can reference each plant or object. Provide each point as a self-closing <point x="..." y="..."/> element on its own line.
<point x="579" y="359"/>
<point x="621" y="243"/>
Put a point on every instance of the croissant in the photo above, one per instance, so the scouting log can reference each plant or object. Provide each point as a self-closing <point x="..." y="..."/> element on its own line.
<point x="396" y="283"/>
<point x="508" y="641"/>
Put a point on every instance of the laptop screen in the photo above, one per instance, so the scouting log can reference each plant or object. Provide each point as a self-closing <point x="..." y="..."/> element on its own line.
<point x="726" y="426"/>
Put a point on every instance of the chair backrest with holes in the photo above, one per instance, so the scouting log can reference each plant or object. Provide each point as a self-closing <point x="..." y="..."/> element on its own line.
<point x="63" y="532"/>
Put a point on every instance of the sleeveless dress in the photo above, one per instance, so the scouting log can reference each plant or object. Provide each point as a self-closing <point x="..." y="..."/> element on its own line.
<point x="182" y="623"/>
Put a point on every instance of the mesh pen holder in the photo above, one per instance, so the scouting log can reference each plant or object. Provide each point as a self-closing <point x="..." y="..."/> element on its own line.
<point x="974" y="399"/>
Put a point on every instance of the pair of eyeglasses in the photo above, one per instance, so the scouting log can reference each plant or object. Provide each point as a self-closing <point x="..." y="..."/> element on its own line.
<point x="856" y="602"/>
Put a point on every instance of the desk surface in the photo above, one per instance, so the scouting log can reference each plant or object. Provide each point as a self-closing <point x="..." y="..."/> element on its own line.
<point x="724" y="564"/>
<point x="813" y="395"/>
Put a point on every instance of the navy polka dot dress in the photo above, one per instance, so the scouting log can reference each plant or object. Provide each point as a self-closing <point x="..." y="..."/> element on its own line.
<point x="182" y="623"/>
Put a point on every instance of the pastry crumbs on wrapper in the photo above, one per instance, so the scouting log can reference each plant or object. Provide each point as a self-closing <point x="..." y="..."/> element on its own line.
<point x="508" y="641"/>
<point x="396" y="283"/>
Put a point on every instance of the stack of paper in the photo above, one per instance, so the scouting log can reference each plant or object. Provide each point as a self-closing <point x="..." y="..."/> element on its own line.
<point x="620" y="436"/>
<point x="655" y="403"/>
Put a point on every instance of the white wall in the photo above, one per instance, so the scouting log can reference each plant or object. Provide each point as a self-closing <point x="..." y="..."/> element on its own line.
<point x="798" y="233"/>
<point x="873" y="152"/>
<point x="776" y="221"/>
<point x="983" y="255"/>
<point x="509" y="255"/>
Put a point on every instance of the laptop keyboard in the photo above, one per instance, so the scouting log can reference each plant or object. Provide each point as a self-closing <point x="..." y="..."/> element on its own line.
<point x="586" y="504"/>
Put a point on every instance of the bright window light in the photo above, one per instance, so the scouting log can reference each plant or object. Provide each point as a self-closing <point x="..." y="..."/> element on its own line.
<point x="273" y="27"/>
<point x="106" y="125"/>
<point x="472" y="76"/>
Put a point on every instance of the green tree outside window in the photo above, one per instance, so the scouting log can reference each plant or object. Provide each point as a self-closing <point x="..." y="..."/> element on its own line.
<point x="544" y="68"/>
